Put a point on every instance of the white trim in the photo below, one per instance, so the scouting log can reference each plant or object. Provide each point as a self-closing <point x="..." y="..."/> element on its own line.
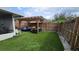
<point x="6" y="36"/>
<point x="13" y="23"/>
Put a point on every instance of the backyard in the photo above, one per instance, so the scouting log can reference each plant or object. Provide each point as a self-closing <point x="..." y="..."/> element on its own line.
<point x="27" y="41"/>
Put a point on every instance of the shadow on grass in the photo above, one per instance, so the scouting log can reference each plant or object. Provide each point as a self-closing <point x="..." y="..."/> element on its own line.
<point x="52" y="43"/>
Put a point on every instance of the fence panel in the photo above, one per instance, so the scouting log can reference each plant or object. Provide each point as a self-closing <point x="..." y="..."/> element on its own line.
<point x="70" y="31"/>
<point x="50" y="26"/>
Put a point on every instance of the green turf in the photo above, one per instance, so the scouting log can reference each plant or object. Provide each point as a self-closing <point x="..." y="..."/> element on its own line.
<point x="27" y="41"/>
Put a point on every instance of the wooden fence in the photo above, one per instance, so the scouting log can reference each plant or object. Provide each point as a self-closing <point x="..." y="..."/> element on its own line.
<point x="49" y="26"/>
<point x="70" y="31"/>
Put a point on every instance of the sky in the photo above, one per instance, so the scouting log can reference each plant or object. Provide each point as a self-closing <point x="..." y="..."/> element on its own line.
<point x="46" y="12"/>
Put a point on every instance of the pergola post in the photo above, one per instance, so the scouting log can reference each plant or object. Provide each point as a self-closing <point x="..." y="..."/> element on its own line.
<point x="19" y="24"/>
<point x="37" y="26"/>
<point x="42" y="23"/>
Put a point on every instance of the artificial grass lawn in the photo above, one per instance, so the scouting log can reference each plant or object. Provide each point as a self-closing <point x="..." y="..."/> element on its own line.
<point x="27" y="41"/>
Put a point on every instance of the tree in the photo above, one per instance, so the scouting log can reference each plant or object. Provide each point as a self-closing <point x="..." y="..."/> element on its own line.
<point x="58" y="17"/>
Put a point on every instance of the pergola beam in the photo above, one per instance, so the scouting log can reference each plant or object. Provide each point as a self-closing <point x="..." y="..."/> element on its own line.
<point x="38" y="19"/>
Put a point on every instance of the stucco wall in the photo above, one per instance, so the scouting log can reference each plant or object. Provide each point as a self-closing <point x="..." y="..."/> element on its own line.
<point x="9" y="22"/>
<point x="6" y="20"/>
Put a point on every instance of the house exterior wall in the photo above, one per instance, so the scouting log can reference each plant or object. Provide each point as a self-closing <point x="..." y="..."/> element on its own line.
<point x="22" y="24"/>
<point x="9" y="22"/>
<point x="6" y="20"/>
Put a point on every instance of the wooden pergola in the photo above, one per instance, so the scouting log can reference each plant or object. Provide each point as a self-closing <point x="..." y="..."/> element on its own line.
<point x="36" y="21"/>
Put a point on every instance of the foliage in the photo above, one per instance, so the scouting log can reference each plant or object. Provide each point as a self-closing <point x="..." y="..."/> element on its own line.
<point x="62" y="17"/>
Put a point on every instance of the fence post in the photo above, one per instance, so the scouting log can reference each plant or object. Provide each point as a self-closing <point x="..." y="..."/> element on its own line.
<point x="77" y="36"/>
<point x="74" y="33"/>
